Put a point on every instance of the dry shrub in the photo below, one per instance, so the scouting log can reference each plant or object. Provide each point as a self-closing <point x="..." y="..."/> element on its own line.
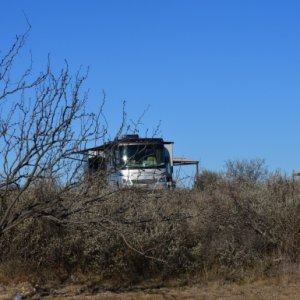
<point x="225" y="227"/>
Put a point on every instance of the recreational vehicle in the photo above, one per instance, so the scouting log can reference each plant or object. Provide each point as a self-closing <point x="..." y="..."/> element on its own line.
<point x="134" y="161"/>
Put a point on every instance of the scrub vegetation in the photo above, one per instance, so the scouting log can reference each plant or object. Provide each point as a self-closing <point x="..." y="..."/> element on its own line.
<point x="240" y="223"/>
<point x="59" y="225"/>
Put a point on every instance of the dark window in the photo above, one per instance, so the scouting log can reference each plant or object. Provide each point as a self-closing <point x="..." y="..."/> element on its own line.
<point x="142" y="156"/>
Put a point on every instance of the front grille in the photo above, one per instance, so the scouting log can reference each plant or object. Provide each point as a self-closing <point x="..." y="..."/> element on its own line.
<point x="144" y="181"/>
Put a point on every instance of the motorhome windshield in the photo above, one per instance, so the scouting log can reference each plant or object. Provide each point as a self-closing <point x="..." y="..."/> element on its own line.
<point x="146" y="156"/>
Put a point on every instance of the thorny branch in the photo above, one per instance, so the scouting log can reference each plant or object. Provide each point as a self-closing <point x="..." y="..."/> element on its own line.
<point x="43" y="122"/>
<point x="44" y="126"/>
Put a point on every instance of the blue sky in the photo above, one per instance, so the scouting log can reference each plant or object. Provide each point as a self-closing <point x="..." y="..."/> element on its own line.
<point x="223" y="77"/>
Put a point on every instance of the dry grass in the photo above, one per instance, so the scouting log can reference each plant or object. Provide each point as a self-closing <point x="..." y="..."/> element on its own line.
<point x="285" y="287"/>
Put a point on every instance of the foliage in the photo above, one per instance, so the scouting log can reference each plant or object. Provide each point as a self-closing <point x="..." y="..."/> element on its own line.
<point x="133" y="234"/>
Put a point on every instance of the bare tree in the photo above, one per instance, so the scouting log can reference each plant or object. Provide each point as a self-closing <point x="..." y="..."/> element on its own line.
<point x="251" y="171"/>
<point x="44" y="124"/>
<point x="44" y="128"/>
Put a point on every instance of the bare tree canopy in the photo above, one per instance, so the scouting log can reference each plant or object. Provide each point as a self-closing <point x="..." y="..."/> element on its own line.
<point x="43" y="124"/>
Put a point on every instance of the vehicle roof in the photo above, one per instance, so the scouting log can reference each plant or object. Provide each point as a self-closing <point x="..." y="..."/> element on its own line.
<point x="127" y="141"/>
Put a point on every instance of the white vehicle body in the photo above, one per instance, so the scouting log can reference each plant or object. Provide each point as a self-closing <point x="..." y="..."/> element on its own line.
<point x="134" y="161"/>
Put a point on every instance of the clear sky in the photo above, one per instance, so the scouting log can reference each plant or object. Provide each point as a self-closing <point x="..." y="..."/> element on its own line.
<point x="223" y="77"/>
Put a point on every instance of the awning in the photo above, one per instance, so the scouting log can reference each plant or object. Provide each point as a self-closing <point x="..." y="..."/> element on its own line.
<point x="178" y="161"/>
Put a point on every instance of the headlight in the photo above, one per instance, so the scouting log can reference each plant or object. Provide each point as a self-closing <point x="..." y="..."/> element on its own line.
<point x="162" y="179"/>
